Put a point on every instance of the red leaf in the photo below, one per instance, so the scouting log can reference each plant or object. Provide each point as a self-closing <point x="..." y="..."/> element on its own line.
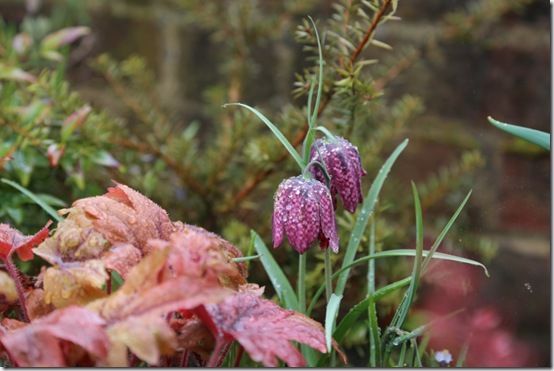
<point x="121" y="258"/>
<point x="123" y="215"/>
<point x="39" y="344"/>
<point x="54" y="153"/>
<point x="11" y="240"/>
<point x="146" y="297"/>
<point x="264" y="329"/>
<point x="199" y="254"/>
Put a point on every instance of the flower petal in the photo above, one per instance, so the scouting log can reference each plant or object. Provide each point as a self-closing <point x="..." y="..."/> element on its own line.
<point x="327" y="218"/>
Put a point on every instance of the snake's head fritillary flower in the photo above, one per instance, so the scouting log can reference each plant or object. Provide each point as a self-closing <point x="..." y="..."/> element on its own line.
<point x="303" y="212"/>
<point x="344" y="166"/>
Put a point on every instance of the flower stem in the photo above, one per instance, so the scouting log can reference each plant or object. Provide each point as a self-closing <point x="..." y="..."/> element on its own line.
<point x="239" y="356"/>
<point x="328" y="274"/>
<point x="371" y="263"/>
<point x="219" y="352"/>
<point x="185" y="358"/>
<point x="109" y="283"/>
<point x="302" y="283"/>
<point x="16" y="277"/>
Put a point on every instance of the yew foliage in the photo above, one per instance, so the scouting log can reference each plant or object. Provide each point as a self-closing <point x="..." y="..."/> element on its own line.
<point x="183" y="294"/>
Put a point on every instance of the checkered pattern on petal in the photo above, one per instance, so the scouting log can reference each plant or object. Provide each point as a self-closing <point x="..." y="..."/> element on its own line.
<point x="344" y="167"/>
<point x="303" y="212"/>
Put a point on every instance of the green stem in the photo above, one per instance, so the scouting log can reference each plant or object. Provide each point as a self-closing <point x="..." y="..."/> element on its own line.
<point x="371" y="262"/>
<point x="302" y="283"/>
<point x="328" y="274"/>
<point x="326" y="132"/>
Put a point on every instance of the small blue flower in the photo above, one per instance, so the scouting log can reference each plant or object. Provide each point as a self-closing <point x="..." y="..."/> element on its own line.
<point x="443" y="357"/>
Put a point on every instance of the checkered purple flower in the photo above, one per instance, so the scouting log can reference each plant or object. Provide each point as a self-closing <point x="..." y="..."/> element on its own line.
<point x="303" y="212"/>
<point x="344" y="166"/>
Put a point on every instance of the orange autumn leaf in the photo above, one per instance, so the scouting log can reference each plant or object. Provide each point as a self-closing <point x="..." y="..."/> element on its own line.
<point x="136" y="313"/>
<point x="123" y="215"/>
<point x="264" y="329"/>
<point x="199" y="254"/>
<point x="41" y="343"/>
<point x="101" y="233"/>
<point x="36" y="304"/>
<point x="74" y="283"/>
<point x="8" y="292"/>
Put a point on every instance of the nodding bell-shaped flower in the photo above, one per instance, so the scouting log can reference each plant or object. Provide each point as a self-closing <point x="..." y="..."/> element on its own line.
<point x="304" y="213"/>
<point x="344" y="166"/>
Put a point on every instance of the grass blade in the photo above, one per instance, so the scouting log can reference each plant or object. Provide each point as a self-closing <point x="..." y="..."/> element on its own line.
<point x="462" y="356"/>
<point x="391" y="287"/>
<point x="397" y="253"/>
<point x="367" y="209"/>
<point x="402" y="311"/>
<point x="278" y="279"/>
<point x="350" y="318"/>
<point x="330" y="317"/>
<point x="37" y="200"/>
<point x="417" y="357"/>
<point x="275" y="130"/>
<point x="320" y="82"/>
<point x="402" y="356"/>
<point x="374" y="334"/>
<point x="444" y="231"/>
<point x="537" y="137"/>
<point x="245" y="258"/>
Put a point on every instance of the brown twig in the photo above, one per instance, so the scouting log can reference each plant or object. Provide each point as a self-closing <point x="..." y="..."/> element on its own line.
<point x="369" y="33"/>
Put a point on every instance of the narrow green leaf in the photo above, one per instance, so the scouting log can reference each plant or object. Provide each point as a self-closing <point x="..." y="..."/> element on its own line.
<point x="320" y="82"/>
<point x="396" y="253"/>
<point x="417" y="358"/>
<point x="362" y="219"/>
<point x="37" y="200"/>
<point x="373" y="322"/>
<point x="275" y="130"/>
<point x="462" y="355"/>
<point x="537" y="137"/>
<point x="356" y="311"/>
<point x="383" y="291"/>
<point x="307" y="145"/>
<point x="402" y="357"/>
<point x="330" y="317"/>
<point x="245" y="258"/>
<point x="309" y="103"/>
<point x="403" y="308"/>
<point x="374" y="334"/>
<point x="423" y="328"/>
<point x="444" y="231"/>
<point x="250" y="250"/>
<point x="350" y="318"/>
<point x="325" y="131"/>
<point x="278" y="279"/>
<point x="380" y="44"/>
